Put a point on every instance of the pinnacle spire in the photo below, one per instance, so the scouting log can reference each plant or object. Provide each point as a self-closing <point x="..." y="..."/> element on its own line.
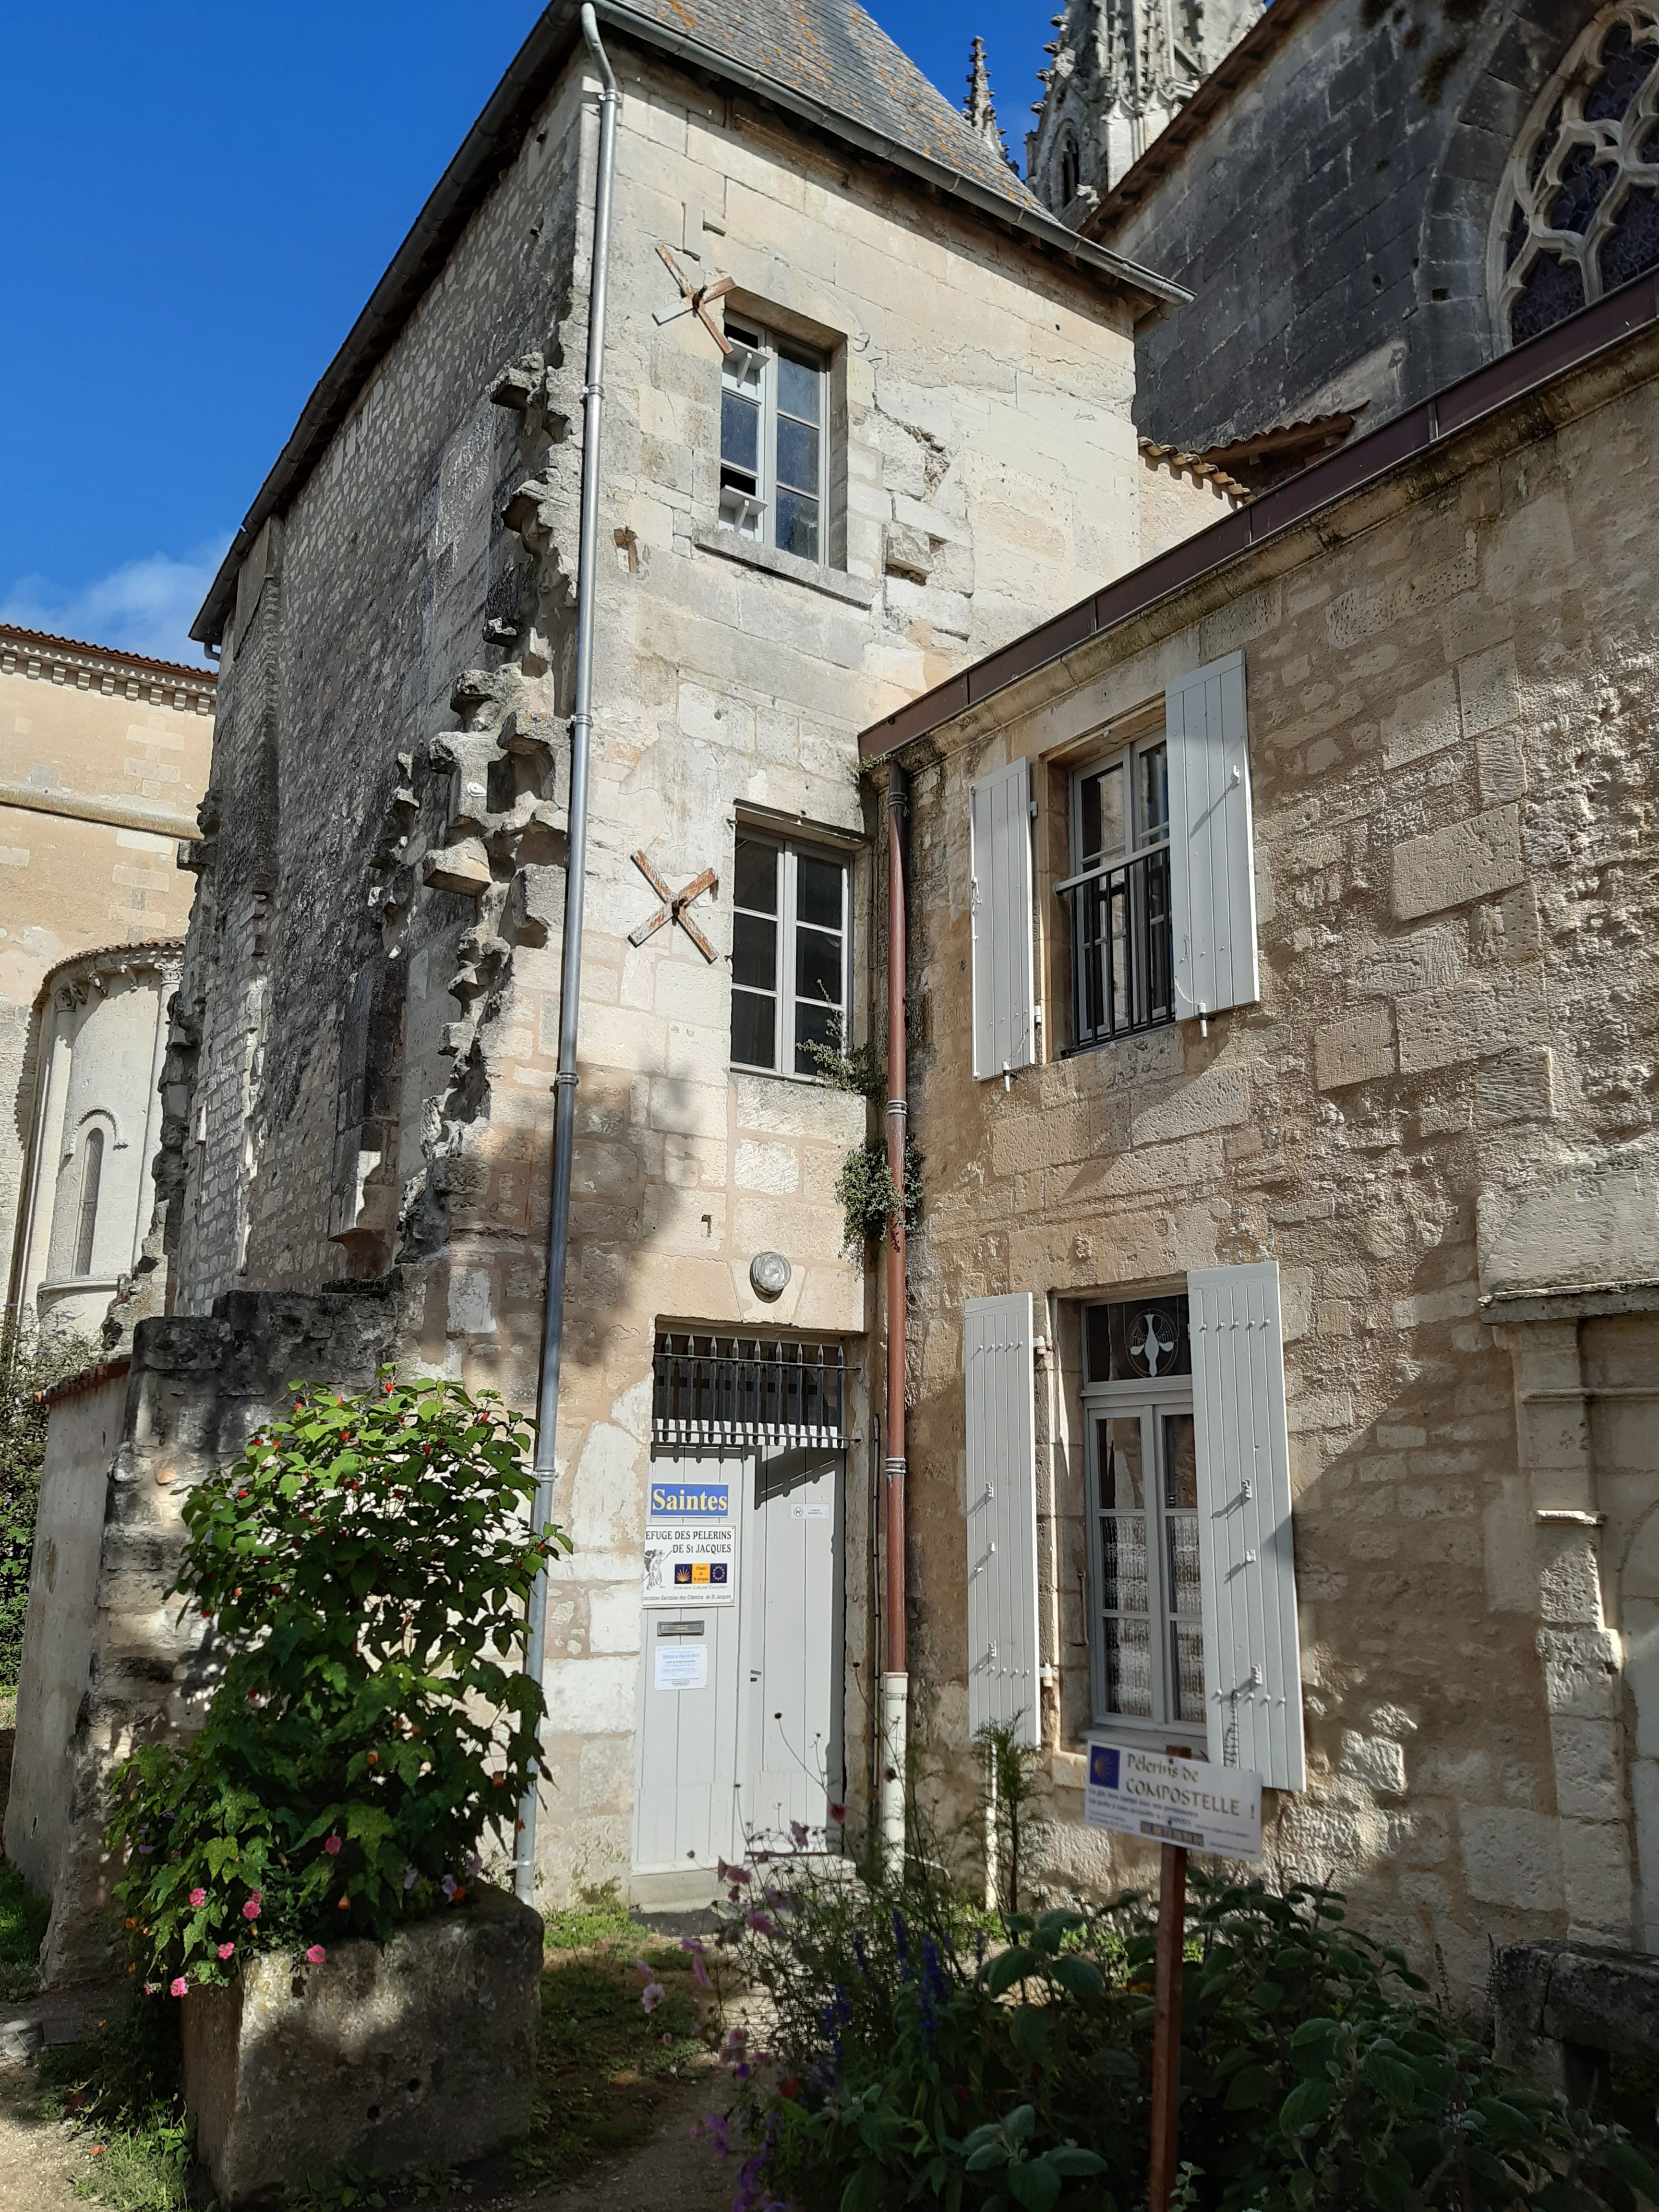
<point x="978" y="108"/>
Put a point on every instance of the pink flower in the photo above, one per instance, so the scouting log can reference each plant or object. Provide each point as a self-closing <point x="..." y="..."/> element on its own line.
<point x="639" y="1968"/>
<point x="177" y="1988"/>
<point x="226" y="1950"/>
<point x="331" y="1845"/>
<point x="798" y="1834"/>
<point x="700" y="1972"/>
<point x="760" y="1923"/>
<point x="838" y="1814"/>
<point x="198" y="1896"/>
<point x="315" y="1955"/>
<point x="651" y="1996"/>
<point x="251" y="1910"/>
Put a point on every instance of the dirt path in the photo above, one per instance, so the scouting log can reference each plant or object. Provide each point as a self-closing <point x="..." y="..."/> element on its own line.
<point x="39" y="2160"/>
<point x="668" y="2173"/>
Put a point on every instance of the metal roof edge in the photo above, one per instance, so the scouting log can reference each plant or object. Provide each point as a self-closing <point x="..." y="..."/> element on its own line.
<point x="1512" y="377"/>
<point x="482" y="157"/>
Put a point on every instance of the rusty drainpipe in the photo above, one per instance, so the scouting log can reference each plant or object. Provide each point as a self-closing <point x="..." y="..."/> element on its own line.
<point x="895" y="1680"/>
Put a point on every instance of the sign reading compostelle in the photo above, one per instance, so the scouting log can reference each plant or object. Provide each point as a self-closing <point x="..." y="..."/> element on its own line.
<point x="1174" y="1801"/>
<point x="690" y="1544"/>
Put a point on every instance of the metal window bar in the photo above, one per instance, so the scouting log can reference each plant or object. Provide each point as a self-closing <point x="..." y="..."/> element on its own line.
<point x="711" y="1389"/>
<point x="1122" y="954"/>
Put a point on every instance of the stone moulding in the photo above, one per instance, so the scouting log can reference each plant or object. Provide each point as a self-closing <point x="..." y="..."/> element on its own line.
<point x="421" y="2054"/>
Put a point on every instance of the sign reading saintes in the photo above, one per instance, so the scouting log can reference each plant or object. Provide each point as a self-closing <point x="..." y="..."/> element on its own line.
<point x="690" y="1544"/>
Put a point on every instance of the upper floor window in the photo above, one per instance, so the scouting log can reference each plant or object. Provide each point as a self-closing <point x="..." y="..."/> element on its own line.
<point x="1577" y="214"/>
<point x="789" y="954"/>
<point x="86" y="1225"/>
<point x="774" y="480"/>
<point x="1119" y="894"/>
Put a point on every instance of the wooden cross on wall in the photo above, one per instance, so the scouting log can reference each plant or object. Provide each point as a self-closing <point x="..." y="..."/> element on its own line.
<point x="695" y="299"/>
<point x="673" y="907"/>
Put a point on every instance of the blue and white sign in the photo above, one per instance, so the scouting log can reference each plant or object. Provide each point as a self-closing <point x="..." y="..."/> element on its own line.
<point x="690" y="1544"/>
<point x="1166" y="1800"/>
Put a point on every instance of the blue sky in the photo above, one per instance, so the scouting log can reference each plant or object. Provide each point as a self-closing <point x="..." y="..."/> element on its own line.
<point x="198" y="200"/>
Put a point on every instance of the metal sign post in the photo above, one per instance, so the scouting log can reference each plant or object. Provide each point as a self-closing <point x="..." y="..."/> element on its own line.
<point x="1182" y="1805"/>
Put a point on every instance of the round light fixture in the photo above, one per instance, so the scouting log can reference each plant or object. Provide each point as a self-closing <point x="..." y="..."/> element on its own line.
<point x="769" y="1275"/>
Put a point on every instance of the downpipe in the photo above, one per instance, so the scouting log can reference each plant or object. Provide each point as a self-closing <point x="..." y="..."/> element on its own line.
<point x="895" y="1681"/>
<point x="570" y="975"/>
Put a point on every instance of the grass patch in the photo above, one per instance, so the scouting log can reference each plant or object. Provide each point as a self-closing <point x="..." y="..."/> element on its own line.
<point x="601" y="1918"/>
<point x="23" y="1918"/>
<point x="119" y="2091"/>
<point x="604" y="2065"/>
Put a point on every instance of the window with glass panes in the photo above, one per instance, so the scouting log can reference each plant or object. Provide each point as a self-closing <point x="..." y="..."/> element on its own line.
<point x="773" y="457"/>
<point x="1147" y="1630"/>
<point x="789" y="945"/>
<point x="1122" y="973"/>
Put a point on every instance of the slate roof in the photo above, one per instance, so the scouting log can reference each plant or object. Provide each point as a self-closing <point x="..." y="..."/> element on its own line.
<point x="839" y="56"/>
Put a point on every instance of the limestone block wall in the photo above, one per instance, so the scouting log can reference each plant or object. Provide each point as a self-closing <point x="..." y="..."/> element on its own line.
<point x="1451" y="741"/>
<point x="363" y="1065"/>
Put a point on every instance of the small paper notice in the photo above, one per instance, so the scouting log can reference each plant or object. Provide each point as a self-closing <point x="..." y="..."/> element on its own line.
<point x="681" y="1669"/>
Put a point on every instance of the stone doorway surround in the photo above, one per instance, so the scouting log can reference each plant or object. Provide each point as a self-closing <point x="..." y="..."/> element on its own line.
<point x="1570" y="1285"/>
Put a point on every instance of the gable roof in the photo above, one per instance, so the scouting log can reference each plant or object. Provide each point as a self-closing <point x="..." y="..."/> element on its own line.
<point x="825" y="62"/>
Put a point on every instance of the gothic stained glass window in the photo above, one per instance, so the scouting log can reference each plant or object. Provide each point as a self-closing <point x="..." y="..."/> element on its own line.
<point x="1578" y="211"/>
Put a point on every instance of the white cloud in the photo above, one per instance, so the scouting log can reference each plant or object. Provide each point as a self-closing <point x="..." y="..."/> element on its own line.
<point x="146" y="606"/>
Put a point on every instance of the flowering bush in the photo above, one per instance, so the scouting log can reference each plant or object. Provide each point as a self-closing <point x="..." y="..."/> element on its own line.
<point x="914" y="2060"/>
<point x="367" y="1563"/>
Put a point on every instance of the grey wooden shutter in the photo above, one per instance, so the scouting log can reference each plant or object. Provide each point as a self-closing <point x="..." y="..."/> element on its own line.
<point x="1000" y="860"/>
<point x="1211" y="862"/>
<point x="1252" y="1661"/>
<point x="1003" y="1659"/>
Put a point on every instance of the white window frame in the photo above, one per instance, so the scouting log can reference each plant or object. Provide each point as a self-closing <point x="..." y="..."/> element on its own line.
<point x="1138" y="845"/>
<point x="1149" y="1401"/>
<point x="791" y="852"/>
<point x="754" y="516"/>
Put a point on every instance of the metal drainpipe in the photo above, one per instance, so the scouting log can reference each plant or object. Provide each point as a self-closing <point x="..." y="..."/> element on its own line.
<point x="564" y="1089"/>
<point x="894" y="1681"/>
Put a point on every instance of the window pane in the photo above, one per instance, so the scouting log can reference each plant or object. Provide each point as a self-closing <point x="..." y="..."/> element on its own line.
<point x="1121" y="1488"/>
<point x="743" y="368"/>
<point x="1128" y="1667"/>
<point x="754" y="1025"/>
<point x="1103" y="816"/>
<point x="817" y="892"/>
<point x="1183" y="1566"/>
<point x="1180" y="1463"/>
<point x="817" y="967"/>
<point x="798" y="456"/>
<point x="798" y="525"/>
<point x="1123" y="1563"/>
<point x="754" y="952"/>
<point x="739" y="432"/>
<point x="800" y="383"/>
<point x="1154" y="762"/>
<point x="1187" y="1671"/>
<point x="756" y="873"/>
<point x="813" y="1025"/>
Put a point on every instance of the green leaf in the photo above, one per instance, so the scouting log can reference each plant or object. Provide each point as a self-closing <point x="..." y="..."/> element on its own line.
<point x="1019" y="2125"/>
<point x="1080" y="1978"/>
<point x="1267" y="1996"/>
<point x="1307" y="2104"/>
<point x="1389" y="2186"/>
<point x="1069" y="2159"/>
<point x="1008" y="1967"/>
<point x="1250" y="2087"/>
<point x="1028" y="2031"/>
<point x="1036" y="2186"/>
<point x="1392" y="2079"/>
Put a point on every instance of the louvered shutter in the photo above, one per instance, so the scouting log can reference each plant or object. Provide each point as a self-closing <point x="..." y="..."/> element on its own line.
<point x="1000" y="860"/>
<point x="1003" y="1660"/>
<point x="1212" y="861"/>
<point x="1252" y="1661"/>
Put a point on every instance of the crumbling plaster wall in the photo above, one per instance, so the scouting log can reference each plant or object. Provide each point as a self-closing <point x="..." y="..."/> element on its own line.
<point x="1452" y="743"/>
<point x="368" y="1032"/>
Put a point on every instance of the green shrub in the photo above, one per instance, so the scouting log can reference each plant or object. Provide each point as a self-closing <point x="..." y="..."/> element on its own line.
<point x="912" y="2061"/>
<point x="23" y="1918"/>
<point x="366" y="1564"/>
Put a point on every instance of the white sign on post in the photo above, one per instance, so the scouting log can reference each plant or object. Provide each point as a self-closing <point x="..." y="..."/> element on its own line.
<point x="682" y="1667"/>
<point x="1174" y="1801"/>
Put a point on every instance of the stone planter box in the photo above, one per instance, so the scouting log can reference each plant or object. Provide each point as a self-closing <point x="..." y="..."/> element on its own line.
<point x="423" y="2054"/>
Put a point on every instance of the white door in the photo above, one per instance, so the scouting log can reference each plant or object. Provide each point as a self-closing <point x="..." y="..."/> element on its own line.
<point x="685" y="1760"/>
<point x="791" y="1767"/>
<point x="740" y="1703"/>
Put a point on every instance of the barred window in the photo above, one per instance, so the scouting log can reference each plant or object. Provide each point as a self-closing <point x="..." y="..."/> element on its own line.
<point x="1577" y="214"/>
<point x="1118" y="895"/>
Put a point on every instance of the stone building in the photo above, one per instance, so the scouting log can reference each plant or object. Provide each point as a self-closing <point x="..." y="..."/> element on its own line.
<point x="1284" y="1311"/>
<point x="1370" y="198"/>
<point x="1118" y="72"/>
<point x="104" y="762"/>
<point x="867" y="417"/>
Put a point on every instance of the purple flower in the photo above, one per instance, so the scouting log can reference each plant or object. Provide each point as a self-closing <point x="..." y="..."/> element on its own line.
<point x="798" y="1832"/>
<point x="449" y="1885"/>
<point x="760" y="1922"/>
<point x="718" y="2134"/>
<point x="411" y="1875"/>
<point x="902" y="1944"/>
<point x="651" y="1996"/>
<point x="699" y="1964"/>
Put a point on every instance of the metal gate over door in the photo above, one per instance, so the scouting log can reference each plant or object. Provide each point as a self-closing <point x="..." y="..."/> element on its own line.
<point x="740" y="1718"/>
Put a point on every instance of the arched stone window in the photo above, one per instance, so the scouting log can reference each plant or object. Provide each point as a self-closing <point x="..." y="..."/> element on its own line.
<point x="86" y="1224"/>
<point x="1577" y="213"/>
<point x="1065" y="167"/>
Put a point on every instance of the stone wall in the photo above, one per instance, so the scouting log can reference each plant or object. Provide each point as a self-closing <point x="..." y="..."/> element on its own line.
<point x="1332" y="216"/>
<point x="368" y="1026"/>
<point x="1451" y="737"/>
